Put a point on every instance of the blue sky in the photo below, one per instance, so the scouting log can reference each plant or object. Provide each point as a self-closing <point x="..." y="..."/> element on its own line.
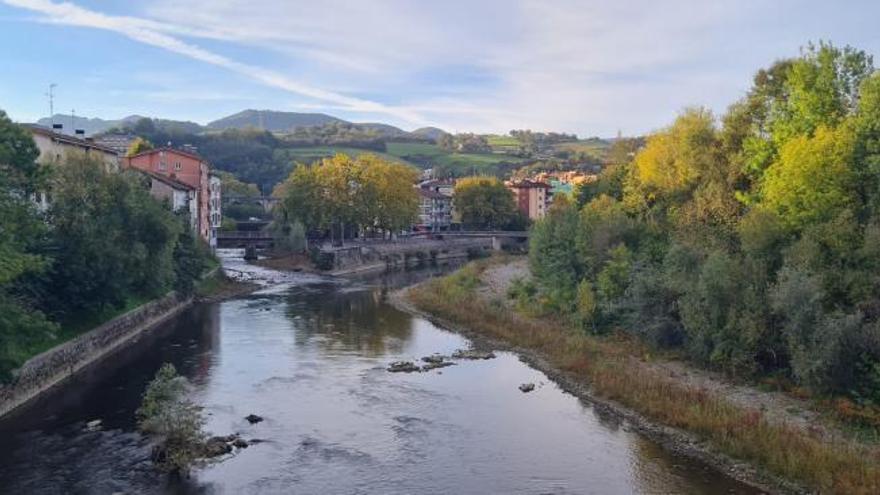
<point x="588" y="67"/>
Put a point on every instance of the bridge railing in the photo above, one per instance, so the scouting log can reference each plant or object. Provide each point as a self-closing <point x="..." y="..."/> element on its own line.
<point x="243" y="234"/>
<point x="473" y="233"/>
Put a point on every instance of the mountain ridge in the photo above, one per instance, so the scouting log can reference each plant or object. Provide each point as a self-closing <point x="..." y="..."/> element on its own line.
<point x="270" y="120"/>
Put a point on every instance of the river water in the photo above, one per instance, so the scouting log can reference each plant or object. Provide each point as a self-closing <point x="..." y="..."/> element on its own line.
<point x="309" y="355"/>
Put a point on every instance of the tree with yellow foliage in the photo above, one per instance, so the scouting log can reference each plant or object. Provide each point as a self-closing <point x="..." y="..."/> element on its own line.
<point x="367" y="193"/>
<point x="813" y="179"/>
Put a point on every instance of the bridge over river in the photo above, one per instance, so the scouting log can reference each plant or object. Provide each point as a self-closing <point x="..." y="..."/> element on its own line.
<point x="264" y="239"/>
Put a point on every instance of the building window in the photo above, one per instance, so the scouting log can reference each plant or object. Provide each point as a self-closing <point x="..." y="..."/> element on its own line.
<point x="177" y="166"/>
<point x="163" y="166"/>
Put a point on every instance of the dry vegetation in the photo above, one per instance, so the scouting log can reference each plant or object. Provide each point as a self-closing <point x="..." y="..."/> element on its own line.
<point x="610" y="366"/>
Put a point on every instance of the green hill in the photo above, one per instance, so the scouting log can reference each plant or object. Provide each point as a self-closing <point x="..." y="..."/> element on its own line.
<point x="445" y="163"/>
<point x="272" y="120"/>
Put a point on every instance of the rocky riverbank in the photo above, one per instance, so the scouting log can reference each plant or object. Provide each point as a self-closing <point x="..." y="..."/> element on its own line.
<point x="494" y="283"/>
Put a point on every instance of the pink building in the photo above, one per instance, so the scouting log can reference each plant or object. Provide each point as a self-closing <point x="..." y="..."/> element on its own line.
<point x="185" y="167"/>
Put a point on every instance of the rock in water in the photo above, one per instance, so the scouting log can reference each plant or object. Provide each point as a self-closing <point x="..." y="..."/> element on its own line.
<point x="253" y="418"/>
<point x="526" y="387"/>
<point x="240" y="443"/>
<point x="216" y="446"/>
<point x="473" y="354"/>
<point x="433" y="366"/>
<point x="433" y="359"/>
<point x="403" y="367"/>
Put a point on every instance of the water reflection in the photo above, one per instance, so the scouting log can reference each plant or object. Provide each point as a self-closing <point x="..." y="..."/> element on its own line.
<point x="355" y="320"/>
<point x="309" y="355"/>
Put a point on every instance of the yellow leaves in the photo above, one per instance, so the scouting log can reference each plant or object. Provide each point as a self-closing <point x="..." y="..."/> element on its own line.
<point x="367" y="191"/>
<point x="675" y="158"/>
<point x="812" y="179"/>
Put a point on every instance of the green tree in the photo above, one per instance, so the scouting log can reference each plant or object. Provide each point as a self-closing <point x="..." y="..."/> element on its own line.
<point x="22" y="239"/>
<point x="822" y="88"/>
<point x="613" y="280"/>
<point x="484" y="202"/>
<point x="813" y="179"/>
<point x="113" y="240"/>
<point x="553" y="256"/>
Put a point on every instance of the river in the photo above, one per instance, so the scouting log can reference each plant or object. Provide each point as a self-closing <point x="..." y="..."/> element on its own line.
<point x="309" y="355"/>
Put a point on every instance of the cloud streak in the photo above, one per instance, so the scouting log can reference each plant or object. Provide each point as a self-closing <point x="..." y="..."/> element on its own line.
<point x="585" y="66"/>
<point x="151" y="33"/>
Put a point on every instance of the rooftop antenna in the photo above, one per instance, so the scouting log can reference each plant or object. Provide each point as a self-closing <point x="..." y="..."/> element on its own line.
<point x="51" y="95"/>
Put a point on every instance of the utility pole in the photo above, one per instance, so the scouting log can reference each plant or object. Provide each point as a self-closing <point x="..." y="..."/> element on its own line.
<point x="51" y="95"/>
<point x="73" y="120"/>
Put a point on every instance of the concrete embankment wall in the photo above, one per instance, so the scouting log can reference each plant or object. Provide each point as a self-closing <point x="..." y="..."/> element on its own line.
<point x="52" y="367"/>
<point x="392" y="256"/>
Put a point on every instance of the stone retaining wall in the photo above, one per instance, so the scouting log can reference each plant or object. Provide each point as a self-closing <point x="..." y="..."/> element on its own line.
<point x="42" y="372"/>
<point x="390" y="256"/>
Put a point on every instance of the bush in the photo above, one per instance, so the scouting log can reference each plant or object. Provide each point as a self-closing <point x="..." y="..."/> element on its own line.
<point x="167" y="414"/>
<point x="291" y="238"/>
<point x="653" y="305"/>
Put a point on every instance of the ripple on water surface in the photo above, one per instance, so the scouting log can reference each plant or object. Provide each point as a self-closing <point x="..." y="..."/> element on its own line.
<point x="309" y="355"/>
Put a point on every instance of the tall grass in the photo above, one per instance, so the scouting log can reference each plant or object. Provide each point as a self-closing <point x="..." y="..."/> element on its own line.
<point x="612" y="369"/>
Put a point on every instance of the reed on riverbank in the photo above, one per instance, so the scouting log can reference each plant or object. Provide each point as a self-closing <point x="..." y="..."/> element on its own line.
<point x="610" y="366"/>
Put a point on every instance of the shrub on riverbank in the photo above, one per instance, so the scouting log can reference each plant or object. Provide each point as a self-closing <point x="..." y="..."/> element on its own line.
<point x="610" y="366"/>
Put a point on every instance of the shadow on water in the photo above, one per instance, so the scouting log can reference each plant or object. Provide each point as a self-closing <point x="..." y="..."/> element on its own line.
<point x="309" y="355"/>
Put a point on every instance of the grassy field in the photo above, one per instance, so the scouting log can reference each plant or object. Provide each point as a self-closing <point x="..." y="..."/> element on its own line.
<point x="593" y="147"/>
<point x="503" y="144"/>
<point x="311" y="154"/>
<point x="609" y="366"/>
<point x="459" y="164"/>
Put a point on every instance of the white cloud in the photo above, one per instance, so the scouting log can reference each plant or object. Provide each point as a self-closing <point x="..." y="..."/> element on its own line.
<point x="587" y="66"/>
<point x="151" y="33"/>
<point x="570" y="65"/>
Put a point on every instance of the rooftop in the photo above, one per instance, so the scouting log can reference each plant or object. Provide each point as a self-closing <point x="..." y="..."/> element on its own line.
<point x="65" y="138"/>
<point x="168" y="149"/>
<point x="526" y="184"/>
<point x="170" y="181"/>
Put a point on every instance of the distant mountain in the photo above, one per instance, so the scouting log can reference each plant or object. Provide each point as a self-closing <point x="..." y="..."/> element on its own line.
<point x="70" y="124"/>
<point x="432" y="133"/>
<point x="272" y="120"/>
<point x="96" y="125"/>
<point x="384" y="130"/>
